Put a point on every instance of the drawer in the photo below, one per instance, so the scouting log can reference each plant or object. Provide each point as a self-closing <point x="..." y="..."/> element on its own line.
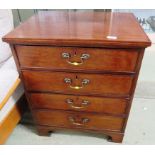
<point x="78" y="103"/>
<point x="77" y="120"/>
<point x="77" y="83"/>
<point x="97" y="59"/>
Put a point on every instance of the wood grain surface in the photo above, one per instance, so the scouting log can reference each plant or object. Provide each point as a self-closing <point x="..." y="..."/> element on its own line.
<point x="80" y="29"/>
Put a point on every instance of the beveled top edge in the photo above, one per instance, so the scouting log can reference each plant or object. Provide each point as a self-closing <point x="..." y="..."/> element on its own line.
<point x="89" y="29"/>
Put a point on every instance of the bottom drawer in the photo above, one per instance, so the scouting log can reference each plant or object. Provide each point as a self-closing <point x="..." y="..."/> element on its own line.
<point x="77" y="120"/>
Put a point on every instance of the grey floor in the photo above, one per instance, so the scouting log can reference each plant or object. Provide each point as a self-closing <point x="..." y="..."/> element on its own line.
<point x="140" y="128"/>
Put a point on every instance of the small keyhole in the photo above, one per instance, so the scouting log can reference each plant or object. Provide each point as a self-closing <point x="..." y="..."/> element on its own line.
<point x="77" y="98"/>
<point x="76" y="77"/>
<point x="75" y="53"/>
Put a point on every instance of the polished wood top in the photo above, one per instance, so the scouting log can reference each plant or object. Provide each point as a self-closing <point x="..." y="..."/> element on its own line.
<point x="96" y="29"/>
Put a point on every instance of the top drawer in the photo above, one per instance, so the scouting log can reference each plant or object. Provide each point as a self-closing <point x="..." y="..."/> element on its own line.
<point x="93" y="59"/>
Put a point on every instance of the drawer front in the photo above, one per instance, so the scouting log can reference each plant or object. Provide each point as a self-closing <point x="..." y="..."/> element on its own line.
<point x="77" y="83"/>
<point x="121" y="60"/>
<point x="78" y="103"/>
<point x="77" y="120"/>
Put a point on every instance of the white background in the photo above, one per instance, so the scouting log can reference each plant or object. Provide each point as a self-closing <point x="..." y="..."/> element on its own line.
<point x="77" y="4"/>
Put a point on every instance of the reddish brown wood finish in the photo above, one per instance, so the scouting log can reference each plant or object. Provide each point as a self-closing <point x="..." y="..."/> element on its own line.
<point x="99" y="84"/>
<point x="112" y="68"/>
<point x="80" y="29"/>
<point x="15" y="58"/>
<point x="139" y="62"/>
<point x="62" y="119"/>
<point x="112" y="136"/>
<point x="92" y="104"/>
<point x="118" y="60"/>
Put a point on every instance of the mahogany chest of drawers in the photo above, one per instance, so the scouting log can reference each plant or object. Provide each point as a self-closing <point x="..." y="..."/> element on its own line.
<point x="79" y="69"/>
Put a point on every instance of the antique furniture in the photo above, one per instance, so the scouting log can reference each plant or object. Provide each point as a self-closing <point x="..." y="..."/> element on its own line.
<point x="79" y="69"/>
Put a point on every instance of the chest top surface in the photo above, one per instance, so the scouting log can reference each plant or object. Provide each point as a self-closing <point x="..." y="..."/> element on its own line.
<point x="80" y="29"/>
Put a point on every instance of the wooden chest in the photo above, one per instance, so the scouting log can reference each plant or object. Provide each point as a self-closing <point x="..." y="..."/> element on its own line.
<point x="79" y="69"/>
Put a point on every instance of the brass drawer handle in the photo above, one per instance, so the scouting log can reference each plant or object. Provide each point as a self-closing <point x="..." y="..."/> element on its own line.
<point x="67" y="56"/>
<point x="83" y="83"/>
<point x="83" y="121"/>
<point x="83" y="104"/>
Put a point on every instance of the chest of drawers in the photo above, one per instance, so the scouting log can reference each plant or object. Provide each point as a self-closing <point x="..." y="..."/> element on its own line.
<point x="79" y="69"/>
